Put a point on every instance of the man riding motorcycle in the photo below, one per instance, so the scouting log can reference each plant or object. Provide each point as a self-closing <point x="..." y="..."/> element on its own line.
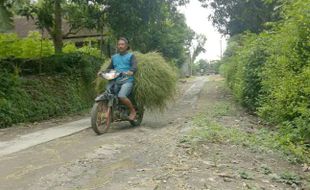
<point x="125" y="63"/>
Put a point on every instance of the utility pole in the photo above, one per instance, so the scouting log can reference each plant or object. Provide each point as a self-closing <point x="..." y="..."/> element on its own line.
<point x="221" y="48"/>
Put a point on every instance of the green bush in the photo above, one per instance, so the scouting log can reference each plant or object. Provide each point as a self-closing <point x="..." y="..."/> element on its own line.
<point x="90" y="51"/>
<point x="287" y="71"/>
<point x="9" y="45"/>
<point x="64" y="85"/>
<point x="287" y="76"/>
<point x="31" y="47"/>
<point x="270" y="74"/>
<point x="61" y="63"/>
<point x="71" y="48"/>
<point x="242" y="66"/>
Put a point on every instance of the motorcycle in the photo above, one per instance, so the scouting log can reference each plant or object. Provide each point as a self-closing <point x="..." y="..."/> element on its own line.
<point x="108" y="109"/>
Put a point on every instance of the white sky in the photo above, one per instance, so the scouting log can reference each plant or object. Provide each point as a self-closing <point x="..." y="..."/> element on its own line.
<point x="197" y="19"/>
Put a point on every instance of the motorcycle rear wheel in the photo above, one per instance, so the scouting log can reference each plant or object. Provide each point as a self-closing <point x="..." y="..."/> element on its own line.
<point x="101" y="117"/>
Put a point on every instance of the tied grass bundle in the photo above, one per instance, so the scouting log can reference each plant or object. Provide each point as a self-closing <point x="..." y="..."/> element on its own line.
<point x="155" y="81"/>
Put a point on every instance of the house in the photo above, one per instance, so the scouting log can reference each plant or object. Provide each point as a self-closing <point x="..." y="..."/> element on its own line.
<point x="22" y="26"/>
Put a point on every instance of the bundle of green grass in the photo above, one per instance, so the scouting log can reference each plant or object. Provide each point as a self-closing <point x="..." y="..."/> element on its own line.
<point x="155" y="81"/>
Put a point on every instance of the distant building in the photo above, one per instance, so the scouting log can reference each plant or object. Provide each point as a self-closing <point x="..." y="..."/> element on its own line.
<point x="22" y="26"/>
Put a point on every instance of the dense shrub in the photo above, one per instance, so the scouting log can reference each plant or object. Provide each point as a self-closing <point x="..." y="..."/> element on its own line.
<point x="244" y="60"/>
<point x="287" y="71"/>
<point x="270" y="73"/>
<point x="71" y="48"/>
<point x="287" y="75"/>
<point x="31" y="47"/>
<point x="34" y="46"/>
<point x="35" y="84"/>
<point x="32" y="90"/>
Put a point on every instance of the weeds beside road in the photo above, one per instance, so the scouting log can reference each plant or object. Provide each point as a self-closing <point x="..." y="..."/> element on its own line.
<point x="224" y="132"/>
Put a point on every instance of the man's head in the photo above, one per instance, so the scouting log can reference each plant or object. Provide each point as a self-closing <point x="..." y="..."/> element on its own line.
<point x="122" y="45"/>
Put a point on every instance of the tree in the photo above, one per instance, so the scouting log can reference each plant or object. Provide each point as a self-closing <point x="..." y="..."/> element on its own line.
<point x="236" y="16"/>
<point x="7" y="10"/>
<point x="150" y="26"/>
<point x="50" y="14"/>
<point x="5" y="17"/>
<point x="197" y="48"/>
<point x="57" y="33"/>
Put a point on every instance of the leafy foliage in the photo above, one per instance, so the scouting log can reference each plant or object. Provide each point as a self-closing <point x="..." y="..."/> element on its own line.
<point x="70" y="48"/>
<point x="35" y="47"/>
<point x="237" y="16"/>
<point x="31" y="47"/>
<point x="269" y="73"/>
<point x="66" y="87"/>
<point x="49" y="15"/>
<point x="205" y="67"/>
<point x="246" y="56"/>
<point x="5" y="16"/>
<point x="199" y="48"/>
<point x="151" y="26"/>
<point x="287" y="71"/>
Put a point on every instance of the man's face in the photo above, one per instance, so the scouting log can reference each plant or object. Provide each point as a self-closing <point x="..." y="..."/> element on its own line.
<point x="122" y="46"/>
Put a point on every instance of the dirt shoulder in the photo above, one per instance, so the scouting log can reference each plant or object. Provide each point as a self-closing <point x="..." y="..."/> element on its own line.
<point x="226" y="148"/>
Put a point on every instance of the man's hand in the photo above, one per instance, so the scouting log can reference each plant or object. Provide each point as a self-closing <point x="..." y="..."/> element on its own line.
<point x="129" y="73"/>
<point x="99" y="73"/>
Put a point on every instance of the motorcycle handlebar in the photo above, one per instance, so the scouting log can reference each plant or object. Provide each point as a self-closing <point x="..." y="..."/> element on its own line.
<point x="117" y="74"/>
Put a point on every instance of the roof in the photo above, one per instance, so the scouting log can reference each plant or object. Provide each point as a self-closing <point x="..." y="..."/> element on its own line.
<point x="22" y="26"/>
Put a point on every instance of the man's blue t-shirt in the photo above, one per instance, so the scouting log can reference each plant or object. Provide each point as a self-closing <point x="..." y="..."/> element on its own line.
<point x="123" y="63"/>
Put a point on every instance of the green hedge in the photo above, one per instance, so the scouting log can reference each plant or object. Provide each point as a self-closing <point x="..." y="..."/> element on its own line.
<point x="269" y="73"/>
<point x="33" y="46"/>
<point x="32" y="90"/>
<point x="243" y="64"/>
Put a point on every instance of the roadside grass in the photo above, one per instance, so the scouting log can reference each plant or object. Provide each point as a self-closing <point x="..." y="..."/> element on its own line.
<point x="222" y="109"/>
<point x="287" y="178"/>
<point x="261" y="139"/>
<point x="208" y="130"/>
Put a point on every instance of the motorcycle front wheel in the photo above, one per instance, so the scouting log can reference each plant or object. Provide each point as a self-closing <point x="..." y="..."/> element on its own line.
<point x="101" y="117"/>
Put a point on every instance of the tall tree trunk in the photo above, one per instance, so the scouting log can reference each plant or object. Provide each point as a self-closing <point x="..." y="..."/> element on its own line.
<point x="109" y="48"/>
<point x="58" y="27"/>
<point x="190" y="65"/>
<point x="101" y="42"/>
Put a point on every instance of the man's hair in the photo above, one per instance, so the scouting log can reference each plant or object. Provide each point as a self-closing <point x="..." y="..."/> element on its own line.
<point x="125" y="40"/>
